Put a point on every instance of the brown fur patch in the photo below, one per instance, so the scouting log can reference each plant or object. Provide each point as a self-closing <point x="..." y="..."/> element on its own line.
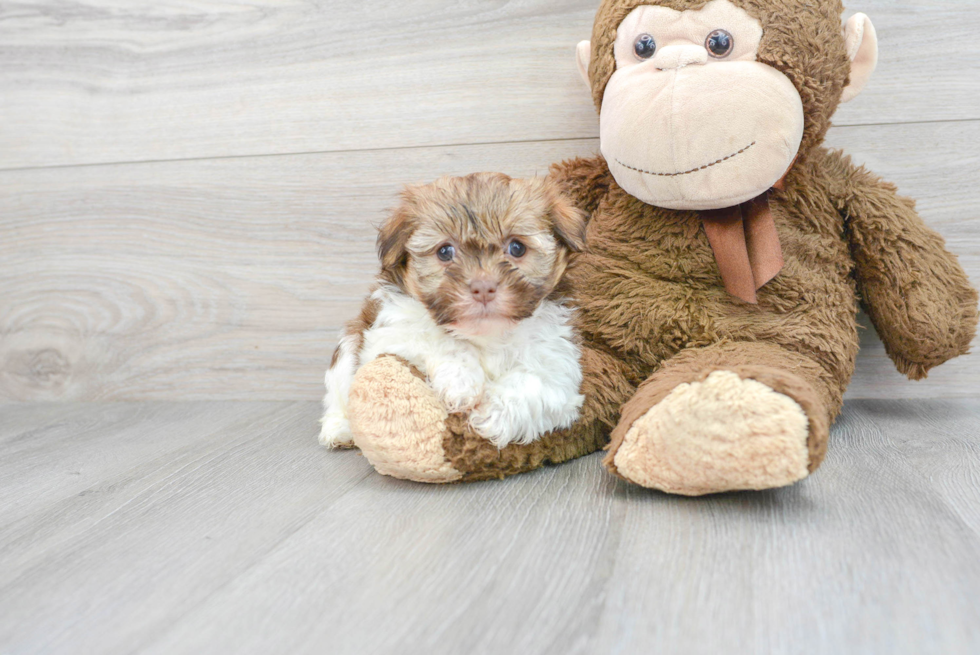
<point x="392" y="245"/>
<point x="569" y="222"/>
<point x="479" y="216"/>
<point x="357" y="327"/>
<point x="917" y="295"/>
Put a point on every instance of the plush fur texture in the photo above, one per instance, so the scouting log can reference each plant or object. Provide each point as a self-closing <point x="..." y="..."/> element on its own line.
<point x="654" y="315"/>
<point x="483" y="321"/>
<point x="791" y="375"/>
<point x="402" y="437"/>
<point x="703" y="437"/>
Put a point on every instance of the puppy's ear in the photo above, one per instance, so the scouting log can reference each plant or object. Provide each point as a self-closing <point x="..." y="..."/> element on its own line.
<point x="393" y="239"/>
<point x="569" y="221"/>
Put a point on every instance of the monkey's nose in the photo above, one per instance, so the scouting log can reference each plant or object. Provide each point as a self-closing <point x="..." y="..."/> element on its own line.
<point x="483" y="290"/>
<point x="673" y="57"/>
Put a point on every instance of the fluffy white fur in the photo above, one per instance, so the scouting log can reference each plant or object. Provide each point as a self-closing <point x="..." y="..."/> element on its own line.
<point x="518" y="383"/>
<point x="335" y="428"/>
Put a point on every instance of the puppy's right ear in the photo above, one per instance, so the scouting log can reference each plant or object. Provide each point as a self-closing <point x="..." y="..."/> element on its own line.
<point x="393" y="239"/>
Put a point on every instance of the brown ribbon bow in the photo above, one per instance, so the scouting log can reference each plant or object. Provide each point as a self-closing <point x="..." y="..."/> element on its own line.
<point x="746" y="245"/>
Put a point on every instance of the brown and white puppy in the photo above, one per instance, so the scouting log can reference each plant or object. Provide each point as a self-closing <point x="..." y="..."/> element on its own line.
<point x="471" y="293"/>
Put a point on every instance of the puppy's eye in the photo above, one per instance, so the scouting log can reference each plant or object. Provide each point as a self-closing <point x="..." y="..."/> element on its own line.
<point x="516" y="249"/>
<point x="446" y="253"/>
<point x="719" y="43"/>
<point x="644" y="46"/>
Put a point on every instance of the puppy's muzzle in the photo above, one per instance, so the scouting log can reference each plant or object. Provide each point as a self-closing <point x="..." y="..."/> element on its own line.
<point x="483" y="290"/>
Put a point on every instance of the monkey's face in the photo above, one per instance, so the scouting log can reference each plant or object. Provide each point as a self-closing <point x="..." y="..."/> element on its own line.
<point x="690" y="119"/>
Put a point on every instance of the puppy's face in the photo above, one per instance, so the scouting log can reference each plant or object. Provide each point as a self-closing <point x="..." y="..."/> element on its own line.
<point x="481" y="251"/>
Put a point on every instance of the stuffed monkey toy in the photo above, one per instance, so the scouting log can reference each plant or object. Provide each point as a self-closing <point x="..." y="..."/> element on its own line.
<point x="727" y="255"/>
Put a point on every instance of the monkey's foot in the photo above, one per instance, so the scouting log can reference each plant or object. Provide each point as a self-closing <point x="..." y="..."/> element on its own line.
<point x="399" y="423"/>
<point x="723" y="433"/>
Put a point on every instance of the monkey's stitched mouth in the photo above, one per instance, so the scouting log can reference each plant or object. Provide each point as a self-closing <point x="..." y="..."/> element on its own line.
<point x="693" y="170"/>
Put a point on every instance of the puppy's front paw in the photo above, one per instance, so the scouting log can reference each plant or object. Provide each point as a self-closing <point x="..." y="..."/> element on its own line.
<point x="335" y="432"/>
<point x="459" y="387"/>
<point x="499" y="420"/>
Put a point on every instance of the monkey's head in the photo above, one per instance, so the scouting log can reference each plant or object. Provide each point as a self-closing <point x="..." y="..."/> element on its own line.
<point x="706" y="104"/>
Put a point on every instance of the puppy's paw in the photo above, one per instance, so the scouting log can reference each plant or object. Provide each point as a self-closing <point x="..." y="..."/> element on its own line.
<point x="335" y="432"/>
<point x="459" y="387"/>
<point x="502" y="419"/>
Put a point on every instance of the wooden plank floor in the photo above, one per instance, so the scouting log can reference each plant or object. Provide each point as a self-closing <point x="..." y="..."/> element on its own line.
<point x="223" y="527"/>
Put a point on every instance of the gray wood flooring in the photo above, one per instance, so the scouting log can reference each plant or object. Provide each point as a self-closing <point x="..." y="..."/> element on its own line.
<point x="223" y="527"/>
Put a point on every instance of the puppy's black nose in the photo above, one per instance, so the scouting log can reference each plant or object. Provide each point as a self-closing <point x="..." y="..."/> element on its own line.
<point x="483" y="290"/>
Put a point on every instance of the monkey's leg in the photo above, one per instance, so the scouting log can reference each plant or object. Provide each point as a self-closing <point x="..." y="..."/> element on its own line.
<point x="402" y="428"/>
<point x="727" y="417"/>
<point x="398" y="422"/>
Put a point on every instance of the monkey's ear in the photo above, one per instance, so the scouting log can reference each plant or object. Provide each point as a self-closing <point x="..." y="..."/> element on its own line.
<point x="393" y="239"/>
<point x="862" y="49"/>
<point x="583" y="54"/>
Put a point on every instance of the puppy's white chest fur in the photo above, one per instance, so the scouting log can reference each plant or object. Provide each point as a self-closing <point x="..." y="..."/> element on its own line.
<point x="517" y="384"/>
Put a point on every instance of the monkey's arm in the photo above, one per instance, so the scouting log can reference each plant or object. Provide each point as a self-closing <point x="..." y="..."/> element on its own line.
<point x="583" y="180"/>
<point x="913" y="289"/>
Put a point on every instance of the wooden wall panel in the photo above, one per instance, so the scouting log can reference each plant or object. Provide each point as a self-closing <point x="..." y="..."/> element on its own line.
<point x="84" y="81"/>
<point x="205" y="279"/>
<point x="230" y="278"/>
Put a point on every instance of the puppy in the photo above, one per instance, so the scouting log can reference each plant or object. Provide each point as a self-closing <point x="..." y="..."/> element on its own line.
<point x="471" y="293"/>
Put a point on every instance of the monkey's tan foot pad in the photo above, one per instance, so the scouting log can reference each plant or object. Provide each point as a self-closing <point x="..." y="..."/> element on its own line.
<point x="724" y="433"/>
<point x="399" y="423"/>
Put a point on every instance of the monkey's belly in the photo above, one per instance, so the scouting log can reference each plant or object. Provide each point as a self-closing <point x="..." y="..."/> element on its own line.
<point x="648" y="312"/>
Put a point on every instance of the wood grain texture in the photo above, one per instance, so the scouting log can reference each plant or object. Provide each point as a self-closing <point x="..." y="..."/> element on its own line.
<point x="223" y="527"/>
<point x="85" y="82"/>
<point x="214" y="279"/>
<point x="169" y="502"/>
<point x="228" y="279"/>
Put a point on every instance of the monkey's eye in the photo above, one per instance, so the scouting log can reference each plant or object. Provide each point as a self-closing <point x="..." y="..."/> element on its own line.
<point x="516" y="249"/>
<point x="720" y="44"/>
<point x="644" y="46"/>
<point x="446" y="253"/>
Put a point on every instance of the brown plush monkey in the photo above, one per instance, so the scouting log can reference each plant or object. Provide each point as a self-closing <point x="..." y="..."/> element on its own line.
<point x="728" y="254"/>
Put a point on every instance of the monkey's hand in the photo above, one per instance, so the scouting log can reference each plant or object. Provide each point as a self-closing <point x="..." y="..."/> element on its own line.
<point x="913" y="289"/>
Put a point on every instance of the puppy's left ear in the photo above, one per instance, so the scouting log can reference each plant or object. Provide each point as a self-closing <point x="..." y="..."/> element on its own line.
<point x="393" y="239"/>
<point x="569" y="221"/>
